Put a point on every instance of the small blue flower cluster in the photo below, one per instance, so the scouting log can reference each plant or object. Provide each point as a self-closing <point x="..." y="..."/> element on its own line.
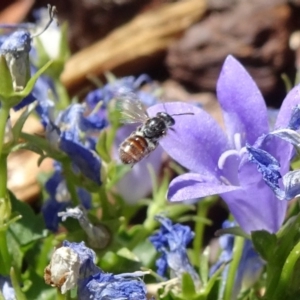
<point x="91" y="282"/>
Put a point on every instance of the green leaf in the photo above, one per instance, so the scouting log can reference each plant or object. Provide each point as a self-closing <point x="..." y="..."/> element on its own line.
<point x="38" y="288"/>
<point x="6" y="85"/>
<point x="264" y="243"/>
<point x="28" y="229"/>
<point x="188" y="287"/>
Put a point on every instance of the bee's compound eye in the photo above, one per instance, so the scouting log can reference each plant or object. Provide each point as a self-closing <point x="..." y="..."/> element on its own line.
<point x="169" y="121"/>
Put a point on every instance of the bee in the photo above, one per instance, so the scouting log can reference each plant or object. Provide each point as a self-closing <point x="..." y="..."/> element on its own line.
<point x="145" y="138"/>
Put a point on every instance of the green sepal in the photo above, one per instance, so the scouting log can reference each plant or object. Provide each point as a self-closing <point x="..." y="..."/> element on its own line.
<point x="101" y="147"/>
<point x="6" y="84"/>
<point x="264" y="243"/>
<point x="22" y="119"/>
<point x="14" y="98"/>
<point x="188" y="287"/>
<point x="115" y="173"/>
<point x="40" y="143"/>
<point x="236" y="231"/>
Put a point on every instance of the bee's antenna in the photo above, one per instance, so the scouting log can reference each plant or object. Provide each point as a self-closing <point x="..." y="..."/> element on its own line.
<point x="164" y="105"/>
<point x="187" y="113"/>
<point x="52" y="14"/>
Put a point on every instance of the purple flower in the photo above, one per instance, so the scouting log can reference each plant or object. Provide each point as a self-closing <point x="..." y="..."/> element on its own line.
<point x="250" y="265"/>
<point x="108" y="286"/>
<point x="60" y="199"/>
<point x="218" y="162"/>
<point x="6" y="288"/>
<point x="171" y="241"/>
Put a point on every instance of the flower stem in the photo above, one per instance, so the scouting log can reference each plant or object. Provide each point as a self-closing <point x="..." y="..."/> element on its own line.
<point x="70" y="184"/>
<point x="202" y="208"/>
<point x="286" y="273"/>
<point x="236" y="256"/>
<point x="60" y="296"/>
<point x="4" y="254"/>
<point x="5" y="213"/>
<point x="4" y="114"/>
<point x="72" y="190"/>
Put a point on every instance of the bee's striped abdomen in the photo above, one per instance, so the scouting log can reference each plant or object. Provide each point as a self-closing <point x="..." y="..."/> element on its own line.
<point x="133" y="149"/>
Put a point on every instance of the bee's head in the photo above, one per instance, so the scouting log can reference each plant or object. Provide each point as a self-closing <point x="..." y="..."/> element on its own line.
<point x="169" y="121"/>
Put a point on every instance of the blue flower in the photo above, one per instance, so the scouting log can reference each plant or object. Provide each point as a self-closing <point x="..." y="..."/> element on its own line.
<point x="60" y="199"/>
<point x="74" y="263"/>
<point x="108" y="286"/>
<point x="250" y="265"/>
<point x="6" y="289"/>
<point x="87" y="259"/>
<point x="171" y="241"/>
<point x="121" y="86"/>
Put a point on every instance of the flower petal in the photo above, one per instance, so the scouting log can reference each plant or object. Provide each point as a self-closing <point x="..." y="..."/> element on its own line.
<point x="269" y="167"/>
<point x="193" y="186"/>
<point x="291" y="182"/>
<point x="196" y="141"/>
<point x="254" y="206"/>
<point x="243" y="106"/>
<point x="288" y="104"/>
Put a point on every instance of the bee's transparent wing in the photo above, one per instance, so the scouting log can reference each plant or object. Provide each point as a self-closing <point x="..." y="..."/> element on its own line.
<point x="131" y="108"/>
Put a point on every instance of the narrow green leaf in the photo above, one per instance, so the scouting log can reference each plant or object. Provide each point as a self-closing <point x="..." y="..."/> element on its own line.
<point x="22" y="119"/>
<point x="16" y="285"/>
<point x="101" y="147"/>
<point x="213" y="280"/>
<point x="204" y="266"/>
